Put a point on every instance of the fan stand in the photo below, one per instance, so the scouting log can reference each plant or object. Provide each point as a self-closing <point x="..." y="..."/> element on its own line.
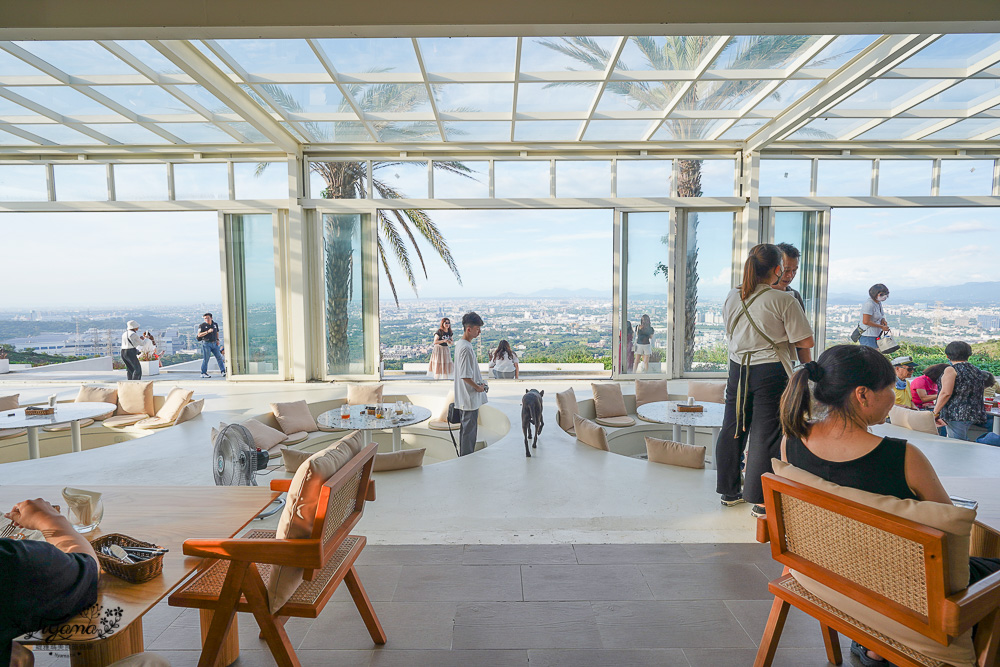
<point x="271" y="511"/>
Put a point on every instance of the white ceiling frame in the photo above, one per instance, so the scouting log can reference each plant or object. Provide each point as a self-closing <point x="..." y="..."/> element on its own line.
<point x="708" y="59"/>
<point x="894" y="112"/>
<point x="513" y="106"/>
<point x="881" y="55"/>
<point x="56" y="117"/>
<point x="345" y="93"/>
<point x="608" y="69"/>
<point x="189" y="59"/>
<point x="430" y="91"/>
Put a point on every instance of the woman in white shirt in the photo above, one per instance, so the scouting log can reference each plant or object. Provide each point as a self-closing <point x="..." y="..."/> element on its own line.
<point x="873" y="323"/>
<point x="503" y="362"/>
<point x="763" y="327"/>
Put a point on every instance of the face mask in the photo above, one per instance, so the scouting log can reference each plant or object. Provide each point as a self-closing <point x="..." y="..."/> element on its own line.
<point x="883" y="297"/>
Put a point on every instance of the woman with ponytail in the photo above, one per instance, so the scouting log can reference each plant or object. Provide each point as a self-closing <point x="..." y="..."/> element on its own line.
<point x="826" y="433"/>
<point x="763" y="327"/>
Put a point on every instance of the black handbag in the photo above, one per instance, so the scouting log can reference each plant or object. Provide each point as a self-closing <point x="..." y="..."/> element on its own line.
<point x="856" y="334"/>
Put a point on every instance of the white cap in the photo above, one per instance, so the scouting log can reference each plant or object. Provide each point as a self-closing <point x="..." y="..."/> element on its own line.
<point x="903" y="361"/>
<point x="132" y="324"/>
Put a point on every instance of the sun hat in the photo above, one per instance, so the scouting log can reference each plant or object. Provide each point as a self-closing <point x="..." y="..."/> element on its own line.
<point x="903" y="361"/>
<point x="132" y="324"/>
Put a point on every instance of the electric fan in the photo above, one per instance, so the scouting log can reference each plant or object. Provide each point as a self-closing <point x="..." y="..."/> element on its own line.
<point x="237" y="461"/>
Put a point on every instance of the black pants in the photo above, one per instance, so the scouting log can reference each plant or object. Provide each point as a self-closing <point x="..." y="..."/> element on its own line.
<point x="131" y="359"/>
<point x="764" y="385"/>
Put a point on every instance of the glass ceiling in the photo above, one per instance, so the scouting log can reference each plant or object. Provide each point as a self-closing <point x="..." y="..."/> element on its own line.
<point x="490" y="89"/>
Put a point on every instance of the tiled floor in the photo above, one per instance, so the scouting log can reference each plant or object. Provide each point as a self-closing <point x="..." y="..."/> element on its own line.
<point x="691" y="605"/>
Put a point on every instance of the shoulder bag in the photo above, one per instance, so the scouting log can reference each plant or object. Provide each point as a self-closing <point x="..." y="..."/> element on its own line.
<point x="886" y="344"/>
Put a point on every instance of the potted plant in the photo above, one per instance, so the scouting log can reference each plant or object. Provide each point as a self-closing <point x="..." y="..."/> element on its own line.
<point x="150" y="363"/>
<point x="4" y="361"/>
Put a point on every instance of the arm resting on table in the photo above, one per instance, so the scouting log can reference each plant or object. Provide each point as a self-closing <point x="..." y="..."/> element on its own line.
<point x="304" y="553"/>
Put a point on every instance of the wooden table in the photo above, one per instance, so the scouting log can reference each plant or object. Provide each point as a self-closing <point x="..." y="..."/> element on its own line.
<point x="166" y="515"/>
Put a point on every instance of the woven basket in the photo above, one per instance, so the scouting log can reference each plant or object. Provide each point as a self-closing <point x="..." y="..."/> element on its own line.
<point x="134" y="573"/>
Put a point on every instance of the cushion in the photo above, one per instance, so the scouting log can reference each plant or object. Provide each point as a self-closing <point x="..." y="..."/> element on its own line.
<point x="608" y="399"/>
<point x="176" y="400"/>
<point x="442" y="416"/>
<point x="294" y="417"/>
<point x="590" y="433"/>
<point x="353" y="442"/>
<point x="9" y="402"/>
<point x="650" y="391"/>
<point x="123" y="420"/>
<point x="296" y="520"/>
<point x="442" y="425"/>
<point x="407" y="458"/>
<point x="293" y="458"/>
<point x="154" y="422"/>
<point x="955" y="521"/>
<point x="567" y="408"/>
<point x="6" y="433"/>
<point x="675" y="453"/>
<point x="135" y="397"/>
<point x="327" y="429"/>
<point x="295" y="438"/>
<point x="705" y="391"/>
<point x="264" y="436"/>
<point x="915" y="420"/>
<point x="615" y="422"/>
<point x="59" y="428"/>
<point x="190" y="411"/>
<point x="364" y="394"/>
<point x="91" y="393"/>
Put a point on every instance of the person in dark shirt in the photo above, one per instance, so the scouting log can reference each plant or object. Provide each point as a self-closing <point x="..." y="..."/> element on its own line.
<point x="208" y="334"/>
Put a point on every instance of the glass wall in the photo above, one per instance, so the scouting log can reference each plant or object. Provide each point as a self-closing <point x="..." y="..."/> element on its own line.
<point x="801" y="230"/>
<point x="644" y="345"/>
<point x="344" y="321"/>
<point x="252" y="295"/>
<point x="707" y="279"/>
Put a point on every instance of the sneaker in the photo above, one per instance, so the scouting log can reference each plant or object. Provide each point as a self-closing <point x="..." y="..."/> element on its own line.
<point x="758" y="511"/>
<point x="729" y="501"/>
<point x="205" y="375"/>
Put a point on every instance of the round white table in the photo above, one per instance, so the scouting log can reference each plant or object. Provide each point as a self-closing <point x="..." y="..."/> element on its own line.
<point x="665" y="412"/>
<point x="368" y="423"/>
<point x="65" y="412"/>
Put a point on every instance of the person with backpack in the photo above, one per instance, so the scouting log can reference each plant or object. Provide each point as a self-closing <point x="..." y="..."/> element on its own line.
<point x="764" y="328"/>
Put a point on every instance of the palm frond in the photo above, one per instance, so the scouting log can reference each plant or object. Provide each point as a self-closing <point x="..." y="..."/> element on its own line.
<point x="388" y="273"/>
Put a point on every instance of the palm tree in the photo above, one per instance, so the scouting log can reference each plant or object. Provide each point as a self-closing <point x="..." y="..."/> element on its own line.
<point x="397" y="229"/>
<point x="682" y="52"/>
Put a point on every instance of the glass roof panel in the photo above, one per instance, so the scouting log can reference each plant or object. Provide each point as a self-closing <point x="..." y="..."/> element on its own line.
<point x="967" y="129"/>
<point x="954" y="51"/>
<point x="687" y="129"/>
<point x="203" y="97"/>
<point x="250" y="132"/>
<point x="358" y="55"/>
<point x="761" y="51"/>
<point x="11" y="65"/>
<point x="468" y="54"/>
<point x="273" y="56"/>
<point x="346" y="131"/>
<point x="477" y="130"/>
<point x="390" y="97"/>
<point x="963" y="95"/>
<point x="8" y="139"/>
<point x="128" y="133"/>
<point x="742" y="129"/>
<point x="897" y="128"/>
<point x="315" y="131"/>
<point x="77" y="57"/>
<point x="149" y="56"/>
<point x="198" y="133"/>
<point x="840" y="50"/>
<point x="546" y="130"/>
<point x="145" y="99"/>
<point x="255" y="96"/>
<point x="886" y="94"/>
<point x="8" y="108"/>
<point x="638" y="95"/>
<point x="827" y="129"/>
<point x="555" y="54"/>
<point x="785" y="95"/>
<point x="617" y="130"/>
<point x="474" y="96"/>
<point x="675" y="52"/>
<point x="306" y="97"/>
<point x="60" y="134"/>
<point x="201" y="46"/>
<point x="403" y="131"/>
<point x="555" y="97"/>
<point x="63" y="100"/>
<point x="727" y="95"/>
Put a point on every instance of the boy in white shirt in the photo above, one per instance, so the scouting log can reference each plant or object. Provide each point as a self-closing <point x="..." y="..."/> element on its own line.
<point x="470" y="390"/>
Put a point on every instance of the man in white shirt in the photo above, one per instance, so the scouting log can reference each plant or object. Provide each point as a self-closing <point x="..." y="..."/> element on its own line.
<point x="131" y="340"/>
<point x="790" y="266"/>
<point x="470" y="390"/>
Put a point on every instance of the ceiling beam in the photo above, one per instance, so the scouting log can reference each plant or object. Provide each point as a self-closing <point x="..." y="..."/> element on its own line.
<point x="882" y="55"/>
<point x="201" y="69"/>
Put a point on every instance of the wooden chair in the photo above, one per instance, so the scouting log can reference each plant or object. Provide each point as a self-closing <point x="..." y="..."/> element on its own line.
<point x="236" y="580"/>
<point x="805" y="525"/>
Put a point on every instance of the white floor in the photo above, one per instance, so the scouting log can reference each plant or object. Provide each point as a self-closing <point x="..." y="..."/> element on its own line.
<point x="565" y="493"/>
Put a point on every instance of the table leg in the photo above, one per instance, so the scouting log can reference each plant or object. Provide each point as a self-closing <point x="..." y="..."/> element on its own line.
<point x="397" y="439"/>
<point x="689" y="434"/>
<point x="33" y="442"/>
<point x="710" y="454"/>
<point x="74" y="427"/>
<point x="230" y="650"/>
<point x="676" y="432"/>
<point x="366" y="438"/>
<point x="122" y="644"/>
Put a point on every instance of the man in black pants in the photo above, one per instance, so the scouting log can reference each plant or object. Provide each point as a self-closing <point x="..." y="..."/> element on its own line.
<point x="131" y="340"/>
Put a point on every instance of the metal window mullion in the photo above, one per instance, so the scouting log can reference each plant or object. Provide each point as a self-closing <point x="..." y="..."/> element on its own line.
<point x="50" y="182"/>
<point x="614" y="177"/>
<point x="171" y="192"/>
<point x="813" y="177"/>
<point x="371" y="186"/>
<point x="513" y="107"/>
<point x="110" y="174"/>
<point x="552" y="178"/>
<point x="996" y="178"/>
<point x="936" y="178"/>
<point x="876" y="163"/>
<point x="430" y="179"/>
<point x="619" y="283"/>
<point x="492" y="177"/>
<point x="231" y="175"/>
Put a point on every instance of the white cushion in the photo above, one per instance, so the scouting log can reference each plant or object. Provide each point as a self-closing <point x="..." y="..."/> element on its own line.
<point x="294" y="417"/>
<point x="123" y="420"/>
<point x="59" y="428"/>
<point x="175" y="402"/>
<point x="264" y="436"/>
<point x="135" y="397"/>
<point x="190" y="411"/>
<point x="364" y="394"/>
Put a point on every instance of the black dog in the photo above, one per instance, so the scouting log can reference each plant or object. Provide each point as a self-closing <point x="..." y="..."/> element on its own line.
<point x="531" y="413"/>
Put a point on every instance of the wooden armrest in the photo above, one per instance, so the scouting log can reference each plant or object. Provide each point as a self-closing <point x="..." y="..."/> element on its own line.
<point x="281" y="484"/>
<point x="370" y="494"/>
<point x="305" y="553"/>
<point x="762" y="535"/>
<point x="966" y="608"/>
<point x="984" y="541"/>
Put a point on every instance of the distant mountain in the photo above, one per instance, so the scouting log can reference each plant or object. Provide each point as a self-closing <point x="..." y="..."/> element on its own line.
<point x="559" y="292"/>
<point x="950" y="295"/>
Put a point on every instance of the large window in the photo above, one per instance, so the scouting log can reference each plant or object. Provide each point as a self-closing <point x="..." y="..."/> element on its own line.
<point x="801" y="229"/>
<point x="252" y="300"/>
<point x="645" y="333"/>
<point x="344" y="290"/>
<point x="706" y="280"/>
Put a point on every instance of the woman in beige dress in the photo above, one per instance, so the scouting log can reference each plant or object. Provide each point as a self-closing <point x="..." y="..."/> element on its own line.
<point x="441" y="366"/>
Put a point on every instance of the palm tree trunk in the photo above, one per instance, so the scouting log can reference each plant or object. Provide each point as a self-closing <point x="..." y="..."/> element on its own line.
<point x="689" y="185"/>
<point x="338" y="234"/>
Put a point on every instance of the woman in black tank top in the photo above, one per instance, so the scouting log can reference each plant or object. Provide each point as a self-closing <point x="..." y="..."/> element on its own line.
<point x="882" y="470"/>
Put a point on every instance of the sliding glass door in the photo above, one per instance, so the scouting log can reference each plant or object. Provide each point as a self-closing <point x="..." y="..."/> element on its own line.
<point x="645" y="323"/>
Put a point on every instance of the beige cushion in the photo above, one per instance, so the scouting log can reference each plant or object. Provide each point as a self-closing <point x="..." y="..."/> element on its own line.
<point x="915" y="420"/>
<point x="293" y="458"/>
<point x="615" y="422"/>
<point x="328" y="429"/>
<point x="154" y="422"/>
<point x="407" y="458"/>
<point x="59" y="428"/>
<point x="190" y="411"/>
<point x="707" y="391"/>
<point x="442" y="415"/>
<point x="353" y="441"/>
<point x="294" y="417"/>
<point x="264" y="436"/>
<point x="296" y="520"/>
<point x="438" y="425"/>
<point x="6" y="433"/>
<point x="135" y="397"/>
<point x="650" y="391"/>
<point x="955" y="521"/>
<point x="9" y="402"/>
<point x="567" y="408"/>
<point x="295" y="438"/>
<point x="608" y="400"/>
<point x="91" y="393"/>
<point x="590" y="433"/>
<point x="364" y="394"/>
<point x="675" y="453"/>
<point x="176" y="400"/>
<point x="123" y="420"/>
